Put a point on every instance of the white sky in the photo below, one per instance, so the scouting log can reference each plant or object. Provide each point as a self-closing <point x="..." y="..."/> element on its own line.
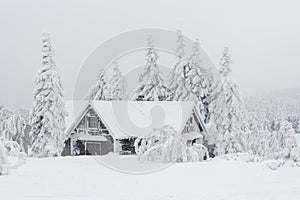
<point x="263" y="37"/>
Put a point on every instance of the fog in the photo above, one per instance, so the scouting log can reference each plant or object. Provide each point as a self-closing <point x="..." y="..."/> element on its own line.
<point x="263" y="37"/>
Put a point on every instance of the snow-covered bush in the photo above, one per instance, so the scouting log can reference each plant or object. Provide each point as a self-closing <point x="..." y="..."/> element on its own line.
<point x="282" y="144"/>
<point x="277" y="147"/>
<point x="163" y="145"/>
<point x="4" y="166"/>
<point x="16" y="128"/>
<point x="167" y="145"/>
<point x="275" y="164"/>
<point x="12" y="149"/>
<point x="194" y="153"/>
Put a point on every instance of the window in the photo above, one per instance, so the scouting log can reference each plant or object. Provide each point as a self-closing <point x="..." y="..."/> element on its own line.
<point x="189" y="126"/>
<point x="92" y="122"/>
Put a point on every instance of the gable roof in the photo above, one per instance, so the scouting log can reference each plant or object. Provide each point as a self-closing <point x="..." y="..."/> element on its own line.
<point x="133" y="118"/>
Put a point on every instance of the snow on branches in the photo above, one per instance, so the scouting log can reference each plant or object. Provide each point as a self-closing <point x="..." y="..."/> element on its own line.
<point x="97" y="91"/>
<point x="167" y="145"/>
<point x="14" y="126"/>
<point x="4" y="168"/>
<point x="188" y="80"/>
<point x="115" y="89"/>
<point x="12" y="149"/>
<point x="225" y="112"/>
<point x="281" y="144"/>
<point x="179" y="88"/>
<point x="109" y="88"/>
<point x="151" y="86"/>
<point x="48" y="109"/>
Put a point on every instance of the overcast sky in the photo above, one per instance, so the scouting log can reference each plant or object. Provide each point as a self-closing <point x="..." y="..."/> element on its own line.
<point x="263" y="37"/>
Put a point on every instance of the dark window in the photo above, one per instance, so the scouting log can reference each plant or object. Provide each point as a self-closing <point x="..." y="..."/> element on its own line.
<point x="93" y="122"/>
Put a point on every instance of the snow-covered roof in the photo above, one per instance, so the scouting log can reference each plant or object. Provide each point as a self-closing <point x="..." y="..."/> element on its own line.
<point x="132" y="118"/>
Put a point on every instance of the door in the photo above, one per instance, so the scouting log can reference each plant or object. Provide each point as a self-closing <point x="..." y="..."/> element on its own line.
<point x="92" y="148"/>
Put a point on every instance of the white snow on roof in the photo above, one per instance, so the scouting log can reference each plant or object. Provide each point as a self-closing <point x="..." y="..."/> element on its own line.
<point x="134" y="118"/>
<point x="74" y="109"/>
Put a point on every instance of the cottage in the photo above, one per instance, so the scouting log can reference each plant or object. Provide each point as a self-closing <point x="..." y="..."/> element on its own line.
<point x="101" y="127"/>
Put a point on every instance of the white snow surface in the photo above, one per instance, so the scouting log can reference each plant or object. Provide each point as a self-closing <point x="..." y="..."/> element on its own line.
<point x="84" y="178"/>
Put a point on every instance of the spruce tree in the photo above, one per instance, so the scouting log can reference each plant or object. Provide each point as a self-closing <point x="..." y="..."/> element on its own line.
<point x="97" y="91"/>
<point x="48" y="109"/>
<point x="179" y="89"/>
<point x="151" y="83"/>
<point x="225" y="112"/>
<point x="115" y="89"/>
<point x="198" y="79"/>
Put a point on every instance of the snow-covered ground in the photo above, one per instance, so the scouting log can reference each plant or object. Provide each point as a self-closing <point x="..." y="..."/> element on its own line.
<point x="85" y="178"/>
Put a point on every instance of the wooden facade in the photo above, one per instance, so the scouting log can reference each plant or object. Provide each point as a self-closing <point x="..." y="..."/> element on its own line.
<point x="90" y="136"/>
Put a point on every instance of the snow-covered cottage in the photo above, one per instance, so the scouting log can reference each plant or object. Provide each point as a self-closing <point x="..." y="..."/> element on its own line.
<point x="101" y="127"/>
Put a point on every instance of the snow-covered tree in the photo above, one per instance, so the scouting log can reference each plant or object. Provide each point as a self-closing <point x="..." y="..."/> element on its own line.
<point x="271" y="108"/>
<point x="180" y="44"/>
<point x="48" y="109"/>
<point x="225" y="112"/>
<point x="163" y="145"/>
<point x="179" y="88"/>
<point x="282" y="144"/>
<point x="10" y="148"/>
<point x="115" y="89"/>
<point x="198" y="79"/>
<point x="5" y="113"/>
<point x="298" y="126"/>
<point x="97" y="91"/>
<point x="16" y="128"/>
<point x="288" y="140"/>
<point x="151" y="86"/>
<point x="167" y="145"/>
<point x="4" y="167"/>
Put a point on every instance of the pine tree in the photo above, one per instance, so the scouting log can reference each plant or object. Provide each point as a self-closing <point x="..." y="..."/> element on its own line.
<point x="151" y="83"/>
<point x="298" y="126"/>
<point x="198" y="79"/>
<point x="5" y="113"/>
<point x="48" y="109"/>
<point x="286" y="140"/>
<point x="225" y="112"/>
<point x="3" y="156"/>
<point x="115" y="89"/>
<point x="179" y="89"/>
<point x="4" y="164"/>
<point x="97" y="91"/>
